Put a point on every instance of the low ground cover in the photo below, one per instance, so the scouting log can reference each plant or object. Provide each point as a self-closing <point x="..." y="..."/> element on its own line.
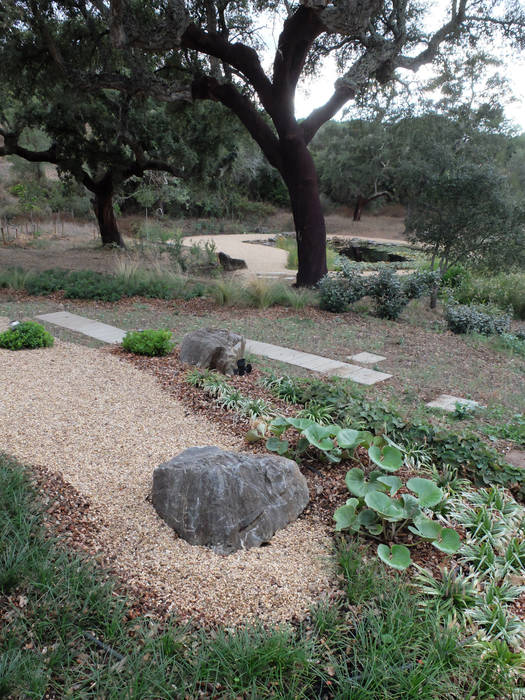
<point x="71" y="631"/>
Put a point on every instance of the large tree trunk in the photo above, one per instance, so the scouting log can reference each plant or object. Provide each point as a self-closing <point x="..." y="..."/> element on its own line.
<point x="300" y="178"/>
<point x="103" y="208"/>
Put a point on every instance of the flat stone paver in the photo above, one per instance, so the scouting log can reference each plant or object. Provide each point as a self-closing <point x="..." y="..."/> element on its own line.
<point x="317" y="363"/>
<point x="367" y="358"/>
<point x="94" y="329"/>
<point x="448" y="403"/>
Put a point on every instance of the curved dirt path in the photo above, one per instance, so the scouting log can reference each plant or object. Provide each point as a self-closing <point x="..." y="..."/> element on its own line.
<point x="104" y="425"/>
<point x="260" y="259"/>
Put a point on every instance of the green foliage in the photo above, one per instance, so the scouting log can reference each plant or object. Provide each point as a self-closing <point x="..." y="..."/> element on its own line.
<point x="390" y="292"/>
<point x="451" y="596"/>
<point x="384" y="648"/>
<point x="375" y="510"/>
<point x="331" y="442"/>
<point x="148" y="342"/>
<point x="512" y="430"/>
<point x="460" y="453"/>
<point x="26" y="335"/>
<point x="475" y="319"/>
<point x="85" y="284"/>
<point x="289" y="244"/>
<point x="228" y="397"/>
<point x="505" y="290"/>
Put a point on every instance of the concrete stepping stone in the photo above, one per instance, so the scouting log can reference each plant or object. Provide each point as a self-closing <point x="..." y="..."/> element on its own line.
<point x="94" y="329"/>
<point x="316" y="363"/>
<point x="366" y="358"/>
<point x="448" y="403"/>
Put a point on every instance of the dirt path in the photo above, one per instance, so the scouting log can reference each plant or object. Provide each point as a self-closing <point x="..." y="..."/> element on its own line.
<point x="104" y="425"/>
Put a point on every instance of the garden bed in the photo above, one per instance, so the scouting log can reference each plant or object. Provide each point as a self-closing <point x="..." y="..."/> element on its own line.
<point x="104" y="426"/>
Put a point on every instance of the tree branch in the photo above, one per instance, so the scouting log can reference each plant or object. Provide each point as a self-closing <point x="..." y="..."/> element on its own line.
<point x="206" y="88"/>
<point x="241" y="57"/>
<point x="447" y="30"/>
<point x="299" y="32"/>
<point x="319" y="116"/>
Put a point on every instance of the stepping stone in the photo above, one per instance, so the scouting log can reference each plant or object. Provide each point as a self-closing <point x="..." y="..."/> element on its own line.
<point x="316" y="363"/>
<point x="367" y="358"/>
<point x="516" y="458"/>
<point x="93" y="329"/>
<point x="448" y="403"/>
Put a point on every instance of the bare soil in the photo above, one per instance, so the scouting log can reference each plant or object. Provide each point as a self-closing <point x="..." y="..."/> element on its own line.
<point x="76" y="245"/>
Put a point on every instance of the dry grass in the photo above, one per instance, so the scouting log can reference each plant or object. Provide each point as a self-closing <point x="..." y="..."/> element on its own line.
<point x="104" y="426"/>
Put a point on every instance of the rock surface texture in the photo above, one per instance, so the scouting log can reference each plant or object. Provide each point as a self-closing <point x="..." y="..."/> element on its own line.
<point x="228" y="500"/>
<point x="212" y="348"/>
<point x="230" y="264"/>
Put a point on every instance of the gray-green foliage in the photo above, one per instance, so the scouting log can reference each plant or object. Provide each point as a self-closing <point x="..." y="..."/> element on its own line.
<point x="475" y="319"/>
<point x="390" y="292"/>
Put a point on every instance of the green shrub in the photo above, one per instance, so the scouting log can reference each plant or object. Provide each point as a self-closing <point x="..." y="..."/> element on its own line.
<point x="341" y="290"/>
<point x="150" y="342"/>
<point x="46" y="282"/>
<point x="504" y="291"/>
<point x="388" y="294"/>
<point x="473" y="319"/>
<point x="26" y="335"/>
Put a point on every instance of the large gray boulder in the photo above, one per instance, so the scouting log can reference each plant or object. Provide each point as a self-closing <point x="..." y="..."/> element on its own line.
<point x="227" y="500"/>
<point x="212" y="348"/>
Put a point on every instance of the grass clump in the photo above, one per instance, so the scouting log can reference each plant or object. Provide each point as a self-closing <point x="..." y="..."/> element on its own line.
<point x="375" y="642"/>
<point x="154" y="343"/>
<point x="289" y="244"/>
<point x="505" y="290"/>
<point x="26" y="336"/>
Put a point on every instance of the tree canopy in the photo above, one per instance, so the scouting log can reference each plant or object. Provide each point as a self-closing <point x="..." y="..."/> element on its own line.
<point x="169" y="49"/>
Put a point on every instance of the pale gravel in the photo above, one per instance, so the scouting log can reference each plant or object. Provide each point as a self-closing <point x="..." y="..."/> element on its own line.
<point x="104" y="425"/>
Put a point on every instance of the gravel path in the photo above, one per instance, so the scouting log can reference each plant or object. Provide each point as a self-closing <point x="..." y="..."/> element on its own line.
<point x="104" y="426"/>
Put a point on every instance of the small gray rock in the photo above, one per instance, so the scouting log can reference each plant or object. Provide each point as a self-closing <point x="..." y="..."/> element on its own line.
<point x="212" y="348"/>
<point x="227" y="500"/>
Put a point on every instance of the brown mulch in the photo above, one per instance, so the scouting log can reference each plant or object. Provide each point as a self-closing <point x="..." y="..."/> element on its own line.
<point x="326" y="483"/>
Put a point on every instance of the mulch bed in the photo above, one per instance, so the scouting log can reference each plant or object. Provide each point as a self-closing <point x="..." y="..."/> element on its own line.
<point x="326" y="483"/>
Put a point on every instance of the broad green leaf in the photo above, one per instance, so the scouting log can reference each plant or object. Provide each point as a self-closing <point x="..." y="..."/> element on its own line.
<point x="394" y="483"/>
<point x="318" y="436"/>
<point x="278" y="426"/>
<point x="345" y="515"/>
<point x="333" y="456"/>
<point x="302" y="445"/>
<point x="448" y="541"/>
<point x="426" y="528"/>
<point x="398" y="557"/>
<point x="252" y="436"/>
<point x="411" y="505"/>
<point x="348" y="439"/>
<point x="300" y="423"/>
<point x="365" y="438"/>
<point x="429" y="494"/>
<point x="391" y="510"/>
<point x="275" y="445"/>
<point x="355" y="482"/>
<point x="388" y="458"/>
<point x="369" y="520"/>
